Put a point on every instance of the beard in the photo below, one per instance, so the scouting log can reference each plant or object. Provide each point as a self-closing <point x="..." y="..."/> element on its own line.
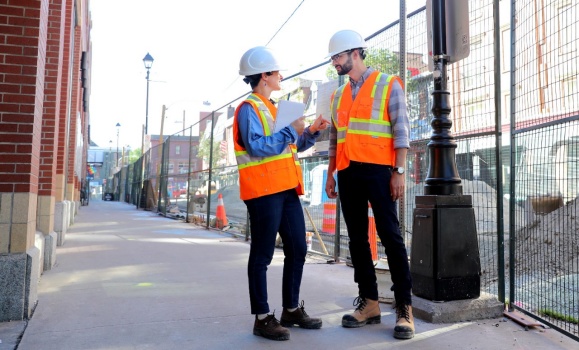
<point x="346" y="67"/>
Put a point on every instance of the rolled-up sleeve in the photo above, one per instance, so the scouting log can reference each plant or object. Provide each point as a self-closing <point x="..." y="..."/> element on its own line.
<point x="333" y="144"/>
<point x="399" y="116"/>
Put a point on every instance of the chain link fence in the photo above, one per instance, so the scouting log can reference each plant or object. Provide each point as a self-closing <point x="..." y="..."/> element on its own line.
<point x="515" y="120"/>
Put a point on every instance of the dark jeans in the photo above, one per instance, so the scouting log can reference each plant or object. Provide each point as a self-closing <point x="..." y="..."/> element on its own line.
<point x="280" y="212"/>
<point x="359" y="184"/>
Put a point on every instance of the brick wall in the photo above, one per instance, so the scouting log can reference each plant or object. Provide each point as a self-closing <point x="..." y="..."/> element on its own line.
<point x="52" y="97"/>
<point x="23" y="29"/>
<point x="62" y="143"/>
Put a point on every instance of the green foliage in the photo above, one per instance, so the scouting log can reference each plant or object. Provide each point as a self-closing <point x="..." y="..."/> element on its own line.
<point x="377" y="58"/>
<point x="558" y="316"/>
<point x="134" y="155"/>
<point x="382" y="60"/>
<point x="204" y="151"/>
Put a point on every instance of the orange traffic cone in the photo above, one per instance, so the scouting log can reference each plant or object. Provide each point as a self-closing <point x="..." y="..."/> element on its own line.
<point x="220" y="217"/>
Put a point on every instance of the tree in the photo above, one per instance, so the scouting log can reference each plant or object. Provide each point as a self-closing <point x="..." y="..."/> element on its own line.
<point x="377" y="58"/>
<point x="133" y="155"/>
<point x="205" y="149"/>
<point x="382" y="60"/>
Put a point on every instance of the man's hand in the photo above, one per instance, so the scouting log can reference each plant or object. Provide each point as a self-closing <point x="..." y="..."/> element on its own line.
<point x="299" y="125"/>
<point x="331" y="187"/>
<point x="319" y="124"/>
<point x="397" y="186"/>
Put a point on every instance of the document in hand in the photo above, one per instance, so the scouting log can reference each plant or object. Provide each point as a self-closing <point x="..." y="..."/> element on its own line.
<point x="287" y="112"/>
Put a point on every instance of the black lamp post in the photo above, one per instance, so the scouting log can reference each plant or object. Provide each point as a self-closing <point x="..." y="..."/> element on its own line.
<point x="445" y="262"/>
<point x="148" y="61"/>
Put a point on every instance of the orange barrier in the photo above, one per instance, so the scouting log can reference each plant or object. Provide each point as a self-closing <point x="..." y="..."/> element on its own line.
<point x="372" y="234"/>
<point x="220" y="216"/>
<point x="329" y="218"/>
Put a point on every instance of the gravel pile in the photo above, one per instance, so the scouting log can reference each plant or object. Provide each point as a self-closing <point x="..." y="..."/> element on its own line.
<point x="551" y="243"/>
<point x="484" y="202"/>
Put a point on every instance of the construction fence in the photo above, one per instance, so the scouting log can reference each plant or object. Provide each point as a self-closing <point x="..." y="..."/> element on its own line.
<point x="515" y="104"/>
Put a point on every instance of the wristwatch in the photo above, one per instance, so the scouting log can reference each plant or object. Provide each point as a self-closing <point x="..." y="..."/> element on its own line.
<point x="399" y="170"/>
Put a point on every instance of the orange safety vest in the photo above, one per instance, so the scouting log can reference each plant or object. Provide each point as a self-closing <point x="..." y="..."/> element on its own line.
<point x="364" y="128"/>
<point x="260" y="176"/>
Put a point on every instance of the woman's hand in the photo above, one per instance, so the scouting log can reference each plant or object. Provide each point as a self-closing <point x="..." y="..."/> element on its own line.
<point x="299" y="125"/>
<point x="319" y="124"/>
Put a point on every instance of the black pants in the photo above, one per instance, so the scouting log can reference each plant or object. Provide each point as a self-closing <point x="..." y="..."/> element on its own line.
<point x="279" y="212"/>
<point x="359" y="184"/>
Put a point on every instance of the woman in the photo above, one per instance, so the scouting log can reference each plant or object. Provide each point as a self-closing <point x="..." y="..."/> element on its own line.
<point x="270" y="181"/>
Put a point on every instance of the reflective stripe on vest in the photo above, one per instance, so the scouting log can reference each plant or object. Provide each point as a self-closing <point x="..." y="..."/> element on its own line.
<point x="244" y="160"/>
<point x="333" y="112"/>
<point x="263" y="112"/>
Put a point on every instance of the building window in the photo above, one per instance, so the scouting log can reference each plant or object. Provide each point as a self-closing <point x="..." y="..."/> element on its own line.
<point x="506" y="52"/>
<point x="171" y="168"/>
<point x="569" y="93"/>
<point x="177" y="149"/>
<point x="568" y="27"/>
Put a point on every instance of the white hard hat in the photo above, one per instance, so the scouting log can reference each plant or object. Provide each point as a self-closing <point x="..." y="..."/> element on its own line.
<point x="345" y="40"/>
<point x="257" y="60"/>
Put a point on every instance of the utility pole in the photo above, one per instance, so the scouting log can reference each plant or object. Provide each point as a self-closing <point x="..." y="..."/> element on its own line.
<point x="160" y="147"/>
<point x="183" y="123"/>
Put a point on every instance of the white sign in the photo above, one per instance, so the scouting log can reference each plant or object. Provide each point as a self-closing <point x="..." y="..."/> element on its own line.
<point x="457" y="31"/>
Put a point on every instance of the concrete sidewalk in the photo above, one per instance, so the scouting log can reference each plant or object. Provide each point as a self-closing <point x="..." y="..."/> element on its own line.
<point x="129" y="279"/>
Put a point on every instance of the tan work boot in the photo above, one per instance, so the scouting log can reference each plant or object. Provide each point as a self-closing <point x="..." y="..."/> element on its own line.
<point x="367" y="312"/>
<point x="404" y="328"/>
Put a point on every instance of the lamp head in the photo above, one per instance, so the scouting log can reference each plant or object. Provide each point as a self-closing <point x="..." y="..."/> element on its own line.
<point x="148" y="61"/>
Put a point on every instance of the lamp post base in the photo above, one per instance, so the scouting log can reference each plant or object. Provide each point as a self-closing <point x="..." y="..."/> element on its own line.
<point x="444" y="260"/>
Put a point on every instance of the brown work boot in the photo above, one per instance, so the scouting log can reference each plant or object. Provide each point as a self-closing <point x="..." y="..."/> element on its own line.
<point x="270" y="328"/>
<point x="367" y="312"/>
<point x="404" y="328"/>
<point x="299" y="317"/>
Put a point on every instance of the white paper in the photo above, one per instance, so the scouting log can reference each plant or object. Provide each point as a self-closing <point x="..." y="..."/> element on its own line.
<point x="287" y="112"/>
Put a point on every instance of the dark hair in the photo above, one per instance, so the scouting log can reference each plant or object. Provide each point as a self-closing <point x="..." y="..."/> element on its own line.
<point x="254" y="79"/>
<point x="361" y="51"/>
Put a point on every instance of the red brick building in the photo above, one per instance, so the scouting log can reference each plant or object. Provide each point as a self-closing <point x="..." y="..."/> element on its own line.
<point x="45" y="60"/>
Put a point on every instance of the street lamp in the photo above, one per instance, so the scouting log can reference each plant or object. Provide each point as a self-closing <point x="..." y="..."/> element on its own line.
<point x="148" y="61"/>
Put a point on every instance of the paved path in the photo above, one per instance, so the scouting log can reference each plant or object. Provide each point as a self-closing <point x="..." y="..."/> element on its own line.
<point x="128" y="279"/>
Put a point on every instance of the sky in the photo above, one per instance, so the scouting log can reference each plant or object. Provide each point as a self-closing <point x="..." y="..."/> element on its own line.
<point x="196" y="46"/>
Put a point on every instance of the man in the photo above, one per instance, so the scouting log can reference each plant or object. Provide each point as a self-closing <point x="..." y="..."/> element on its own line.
<point x="270" y="181"/>
<point x="368" y="145"/>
